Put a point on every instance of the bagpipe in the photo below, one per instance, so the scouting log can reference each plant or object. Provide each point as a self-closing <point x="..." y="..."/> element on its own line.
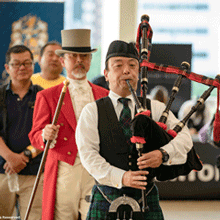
<point x="149" y="135"/>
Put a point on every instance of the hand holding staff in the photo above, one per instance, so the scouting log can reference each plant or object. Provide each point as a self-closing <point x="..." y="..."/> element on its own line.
<point x="43" y="160"/>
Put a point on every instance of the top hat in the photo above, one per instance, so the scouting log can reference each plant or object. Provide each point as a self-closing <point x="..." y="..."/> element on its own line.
<point x="120" y="48"/>
<point x="75" y="41"/>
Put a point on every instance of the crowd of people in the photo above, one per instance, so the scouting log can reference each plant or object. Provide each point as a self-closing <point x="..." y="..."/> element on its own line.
<point x="91" y="161"/>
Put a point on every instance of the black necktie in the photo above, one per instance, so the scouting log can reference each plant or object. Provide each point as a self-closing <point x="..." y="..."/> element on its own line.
<point x="125" y="118"/>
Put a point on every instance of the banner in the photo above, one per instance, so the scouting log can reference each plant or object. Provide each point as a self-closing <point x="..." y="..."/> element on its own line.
<point x="30" y="24"/>
<point x="201" y="185"/>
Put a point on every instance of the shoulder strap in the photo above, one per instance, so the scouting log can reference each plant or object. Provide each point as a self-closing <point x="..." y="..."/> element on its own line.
<point x="37" y="88"/>
<point x="3" y="108"/>
<point x="2" y="94"/>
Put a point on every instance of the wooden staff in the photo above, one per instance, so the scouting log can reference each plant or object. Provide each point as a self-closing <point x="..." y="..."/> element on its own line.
<point x="43" y="160"/>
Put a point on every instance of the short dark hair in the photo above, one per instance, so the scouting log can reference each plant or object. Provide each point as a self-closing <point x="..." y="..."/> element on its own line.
<point x="17" y="49"/>
<point x="48" y="44"/>
<point x="106" y="65"/>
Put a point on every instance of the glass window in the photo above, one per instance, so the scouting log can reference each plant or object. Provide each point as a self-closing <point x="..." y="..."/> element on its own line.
<point x="187" y="22"/>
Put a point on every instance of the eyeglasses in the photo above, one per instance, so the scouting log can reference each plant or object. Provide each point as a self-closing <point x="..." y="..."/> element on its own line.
<point x="18" y="65"/>
<point x="75" y="55"/>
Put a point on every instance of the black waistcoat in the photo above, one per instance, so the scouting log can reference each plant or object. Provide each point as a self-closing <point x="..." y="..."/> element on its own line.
<point x="116" y="151"/>
<point x="113" y="145"/>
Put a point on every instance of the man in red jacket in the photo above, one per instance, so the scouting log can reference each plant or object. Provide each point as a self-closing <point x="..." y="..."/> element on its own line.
<point x="66" y="183"/>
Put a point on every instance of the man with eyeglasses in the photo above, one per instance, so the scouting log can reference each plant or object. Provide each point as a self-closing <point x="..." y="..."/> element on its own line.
<point x="67" y="185"/>
<point x="16" y="153"/>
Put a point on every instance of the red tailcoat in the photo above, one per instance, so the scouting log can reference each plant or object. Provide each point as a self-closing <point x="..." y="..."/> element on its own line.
<point x="65" y="148"/>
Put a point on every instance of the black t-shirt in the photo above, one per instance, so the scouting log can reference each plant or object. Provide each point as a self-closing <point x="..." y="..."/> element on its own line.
<point x="18" y="125"/>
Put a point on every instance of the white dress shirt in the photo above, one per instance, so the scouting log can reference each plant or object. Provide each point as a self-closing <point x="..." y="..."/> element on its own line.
<point x="87" y="139"/>
<point x="81" y="94"/>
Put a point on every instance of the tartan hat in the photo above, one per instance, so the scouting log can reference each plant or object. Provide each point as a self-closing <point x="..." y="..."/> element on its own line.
<point x="75" y="41"/>
<point x="120" y="48"/>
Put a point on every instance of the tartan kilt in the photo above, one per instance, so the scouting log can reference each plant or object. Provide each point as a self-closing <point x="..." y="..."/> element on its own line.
<point x="99" y="205"/>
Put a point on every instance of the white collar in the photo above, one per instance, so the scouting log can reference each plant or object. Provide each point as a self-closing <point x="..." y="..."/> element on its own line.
<point x="78" y="83"/>
<point x="114" y="97"/>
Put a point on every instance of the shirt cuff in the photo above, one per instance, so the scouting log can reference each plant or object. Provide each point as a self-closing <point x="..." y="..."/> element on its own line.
<point x="116" y="177"/>
<point x="42" y="134"/>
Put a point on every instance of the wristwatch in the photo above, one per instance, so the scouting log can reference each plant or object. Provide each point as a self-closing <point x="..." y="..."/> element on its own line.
<point x="28" y="154"/>
<point x="165" y="155"/>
